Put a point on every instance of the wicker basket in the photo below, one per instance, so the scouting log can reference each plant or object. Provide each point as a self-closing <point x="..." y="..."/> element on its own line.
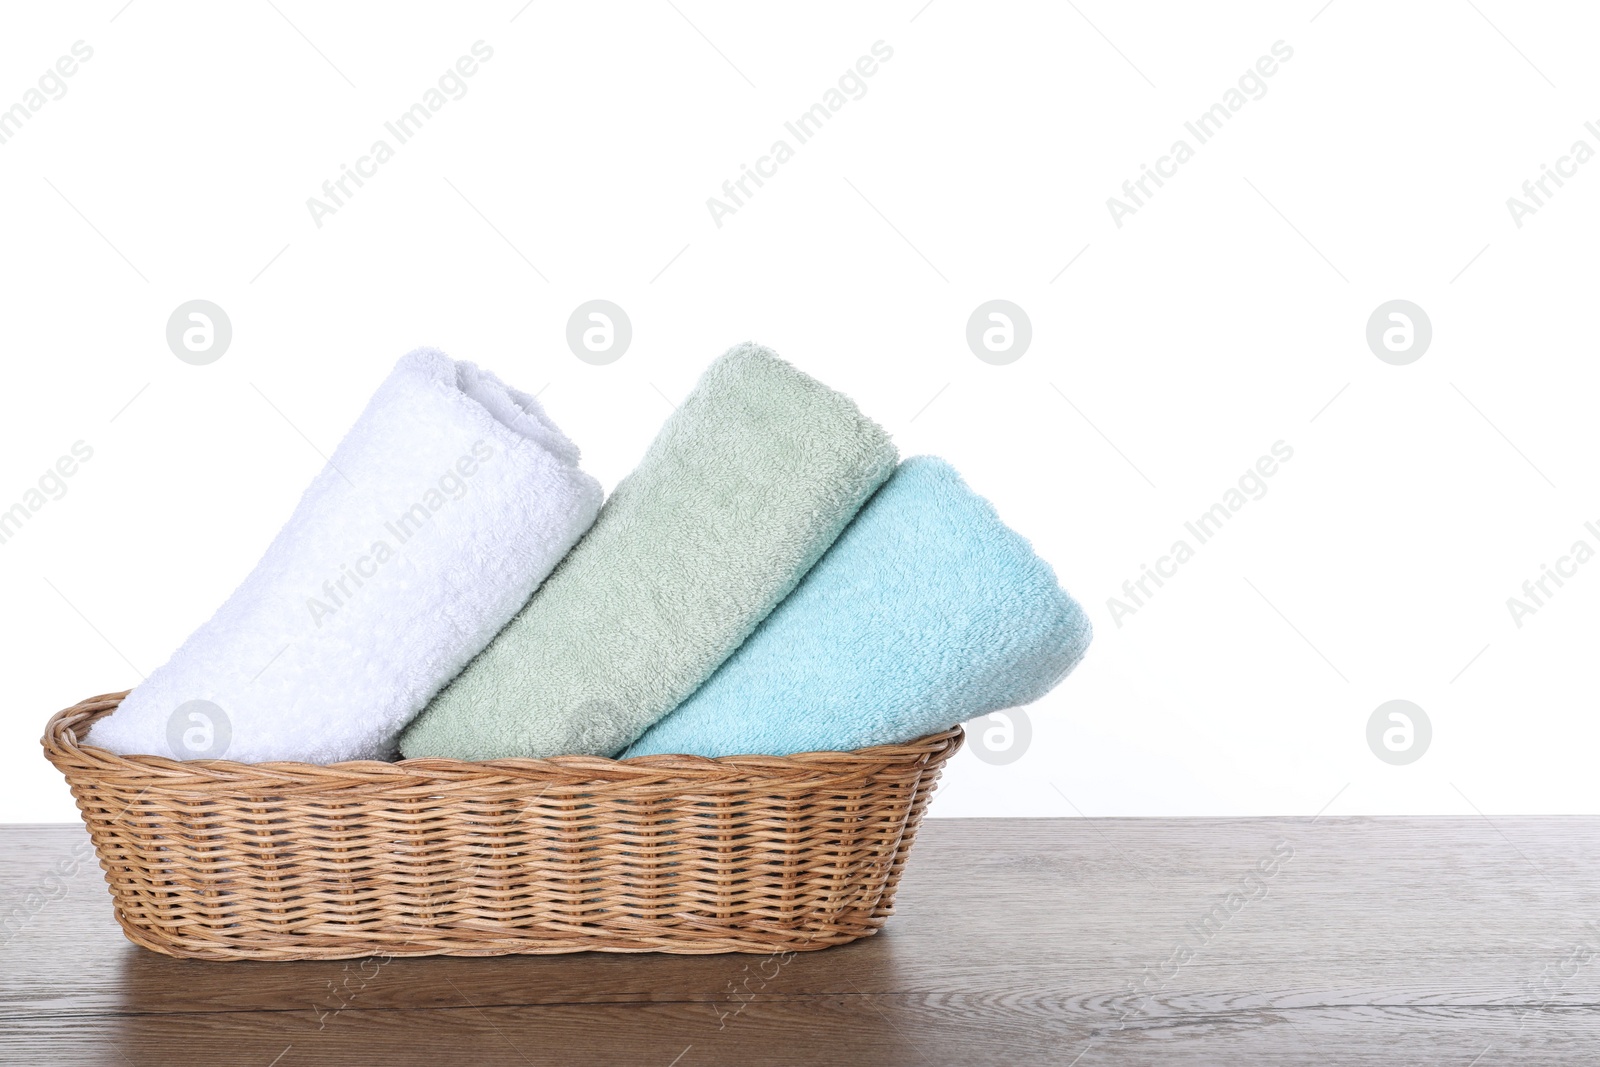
<point x="213" y="859"/>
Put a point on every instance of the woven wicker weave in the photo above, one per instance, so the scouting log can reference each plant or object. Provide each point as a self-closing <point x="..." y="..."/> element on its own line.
<point x="220" y="860"/>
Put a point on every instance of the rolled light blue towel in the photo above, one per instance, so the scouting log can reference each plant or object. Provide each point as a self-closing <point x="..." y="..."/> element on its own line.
<point x="927" y="611"/>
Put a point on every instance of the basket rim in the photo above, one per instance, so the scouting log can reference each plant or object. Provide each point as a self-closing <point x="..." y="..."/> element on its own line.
<point x="62" y="747"/>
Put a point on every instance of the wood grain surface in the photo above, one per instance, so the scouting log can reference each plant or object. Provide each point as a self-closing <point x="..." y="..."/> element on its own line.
<point x="1463" y="942"/>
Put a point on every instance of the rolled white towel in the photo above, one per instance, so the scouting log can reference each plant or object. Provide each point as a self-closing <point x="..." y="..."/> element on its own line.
<point x="440" y="512"/>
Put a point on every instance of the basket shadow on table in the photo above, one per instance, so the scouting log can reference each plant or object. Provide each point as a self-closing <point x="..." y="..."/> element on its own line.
<point x="576" y="1008"/>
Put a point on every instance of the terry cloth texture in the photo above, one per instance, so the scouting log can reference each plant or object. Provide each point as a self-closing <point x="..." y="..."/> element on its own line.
<point x="926" y="612"/>
<point x="744" y="488"/>
<point x="444" y="507"/>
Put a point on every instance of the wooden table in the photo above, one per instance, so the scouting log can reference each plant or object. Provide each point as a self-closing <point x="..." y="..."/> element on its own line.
<point x="1458" y="942"/>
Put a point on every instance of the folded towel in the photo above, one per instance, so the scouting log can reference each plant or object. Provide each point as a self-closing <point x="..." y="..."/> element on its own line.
<point x="926" y="612"/>
<point x="743" y="489"/>
<point x="439" y="513"/>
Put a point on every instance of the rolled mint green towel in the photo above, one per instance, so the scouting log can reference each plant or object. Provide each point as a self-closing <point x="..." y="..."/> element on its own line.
<point x="744" y="488"/>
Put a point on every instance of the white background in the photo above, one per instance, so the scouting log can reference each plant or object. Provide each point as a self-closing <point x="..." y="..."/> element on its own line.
<point x="1227" y="314"/>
